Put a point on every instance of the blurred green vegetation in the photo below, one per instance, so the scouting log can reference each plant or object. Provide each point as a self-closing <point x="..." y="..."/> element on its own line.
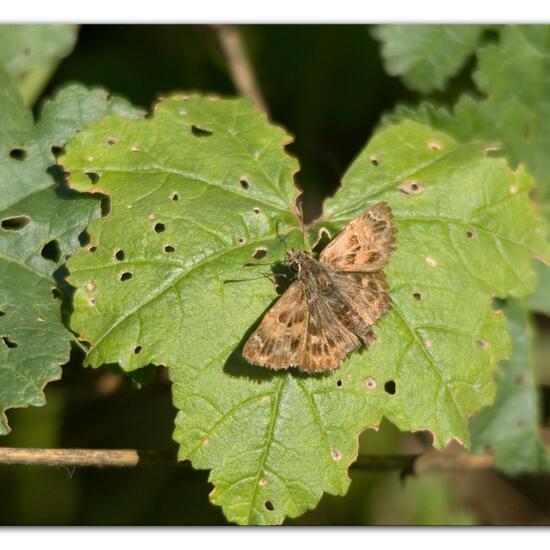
<point x="326" y="85"/>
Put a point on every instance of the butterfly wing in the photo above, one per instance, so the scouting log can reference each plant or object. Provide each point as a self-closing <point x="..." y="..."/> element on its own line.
<point x="278" y="341"/>
<point x="368" y="299"/>
<point x="327" y="340"/>
<point x="365" y="244"/>
<point x="300" y="331"/>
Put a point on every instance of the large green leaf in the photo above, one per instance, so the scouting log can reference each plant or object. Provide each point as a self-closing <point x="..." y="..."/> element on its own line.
<point x="40" y="223"/>
<point x="510" y="428"/>
<point x="461" y="238"/>
<point x="201" y="186"/>
<point x="30" y="53"/>
<point x="426" y="56"/>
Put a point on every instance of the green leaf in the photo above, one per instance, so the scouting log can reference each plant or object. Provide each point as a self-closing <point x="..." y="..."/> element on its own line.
<point x="466" y="231"/>
<point x="195" y="190"/>
<point x="518" y="119"/>
<point x="31" y="53"/>
<point x="40" y="223"/>
<point x="426" y="56"/>
<point x="513" y="75"/>
<point x="510" y="428"/>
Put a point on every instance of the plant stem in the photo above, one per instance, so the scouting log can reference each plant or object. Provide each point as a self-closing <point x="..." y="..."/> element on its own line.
<point x="414" y="463"/>
<point x="239" y="65"/>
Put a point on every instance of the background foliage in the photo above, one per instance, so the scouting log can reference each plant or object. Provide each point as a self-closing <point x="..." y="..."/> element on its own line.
<point x="300" y="76"/>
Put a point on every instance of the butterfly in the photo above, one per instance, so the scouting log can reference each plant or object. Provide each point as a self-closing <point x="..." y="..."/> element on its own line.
<point x="328" y="311"/>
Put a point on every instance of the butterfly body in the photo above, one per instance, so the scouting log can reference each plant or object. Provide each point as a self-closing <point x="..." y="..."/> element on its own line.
<point x="331" y="306"/>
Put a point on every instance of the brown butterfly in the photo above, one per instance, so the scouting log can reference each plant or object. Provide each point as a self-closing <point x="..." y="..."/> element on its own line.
<point x="333" y="303"/>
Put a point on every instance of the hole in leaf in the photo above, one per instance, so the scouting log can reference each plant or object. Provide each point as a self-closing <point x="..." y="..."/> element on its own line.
<point x="56" y="150"/>
<point x="470" y="234"/>
<point x="417" y="296"/>
<point x="323" y="239"/>
<point x="127" y="275"/>
<point x="93" y="177"/>
<point x="18" y="153"/>
<point x="242" y="240"/>
<point x="105" y="206"/>
<point x="15" y="223"/>
<point x="137" y="349"/>
<point x="51" y="251"/>
<point x="2" y="313"/>
<point x="56" y="293"/>
<point x="84" y="238"/>
<point x="245" y="184"/>
<point x="435" y="146"/>
<point x="175" y="197"/>
<point x="411" y="187"/>
<point x="389" y="387"/>
<point x="92" y="248"/>
<point x="119" y="254"/>
<point x="111" y="140"/>
<point x="375" y="161"/>
<point x="339" y="383"/>
<point x="260" y="253"/>
<point x="256" y="210"/>
<point x="269" y="506"/>
<point x="9" y="343"/>
<point x="169" y="248"/>
<point x="200" y="132"/>
<point x="159" y="227"/>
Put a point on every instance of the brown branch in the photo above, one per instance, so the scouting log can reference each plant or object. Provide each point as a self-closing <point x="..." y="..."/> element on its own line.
<point x="83" y="457"/>
<point x="239" y="65"/>
<point x="414" y="463"/>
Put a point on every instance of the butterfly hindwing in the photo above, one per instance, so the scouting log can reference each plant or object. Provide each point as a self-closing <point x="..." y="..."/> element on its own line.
<point x="367" y="294"/>
<point x="327" y="339"/>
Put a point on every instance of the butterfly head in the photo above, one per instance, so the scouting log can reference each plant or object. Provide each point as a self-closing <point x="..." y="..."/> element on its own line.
<point x="296" y="259"/>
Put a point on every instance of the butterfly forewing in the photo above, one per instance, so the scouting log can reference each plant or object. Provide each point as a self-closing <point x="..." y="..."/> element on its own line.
<point x="365" y="244"/>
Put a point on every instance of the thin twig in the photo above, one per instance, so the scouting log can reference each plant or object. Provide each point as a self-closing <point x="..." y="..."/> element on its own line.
<point x="413" y="463"/>
<point x="83" y="457"/>
<point x="239" y="65"/>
